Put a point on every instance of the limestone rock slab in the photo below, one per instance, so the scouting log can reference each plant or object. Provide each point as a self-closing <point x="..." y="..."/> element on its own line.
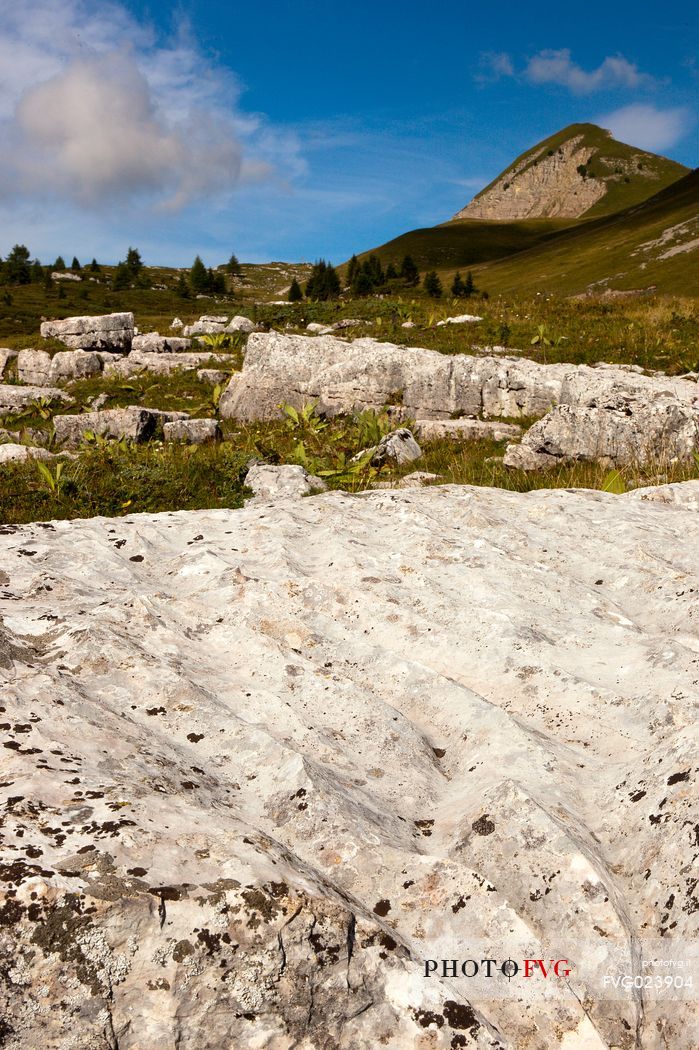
<point x="618" y="431"/>
<point x="365" y="373"/>
<point x="100" y="332"/>
<point x="260" y="765"/>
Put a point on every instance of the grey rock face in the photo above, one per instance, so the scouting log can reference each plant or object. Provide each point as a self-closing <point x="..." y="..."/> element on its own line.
<point x="342" y="376"/>
<point x="14" y="398"/>
<point x="6" y="356"/>
<point x="34" y="367"/>
<point x="134" y="424"/>
<point x="101" y="332"/>
<point x="194" y="431"/>
<point x="154" y="343"/>
<point x="212" y="375"/>
<point x="13" y="453"/>
<point x="397" y="448"/>
<point x="465" y="430"/>
<point x="161" y="364"/>
<point x="286" y="482"/>
<point x="310" y="745"/>
<point x="240" y="324"/>
<point x="617" y="431"/>
<point x="40" y="369"/>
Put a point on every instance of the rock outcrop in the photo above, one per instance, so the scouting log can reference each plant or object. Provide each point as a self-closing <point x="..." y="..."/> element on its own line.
<point x="568" y="174"/>
<point x="100" y="332"/>
<point x="618" y="431"/>
<point x="14" y="398"/>
<point x="192" y="431"/>
<point x="260" y="766"/>
<point x="154" y="343"/>
<point x="133" y="423"/>
<point x="342" y="376"/>
<point x="40" y="369"/>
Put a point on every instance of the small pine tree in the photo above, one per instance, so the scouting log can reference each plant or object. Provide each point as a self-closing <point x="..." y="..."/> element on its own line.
<point x="469" y="286"/>
<point x="16" y="269"/>
<point x="134" y="262"/>
<point x="409" y="271"/>
<point x="75" y="265"/>
<point x="432" y="285"/>
<point x="95" y="267"/>
<point x="295" y="293"/>
<point x="198" y="277"/>
<point x="458" y="286"/>
<point x="352" y="268"/>
<point x="375" y="271"/>
<point x="37" y="272"/>
<point x="233" y="266"/>
<point x="361" y="283"/>
<point x="391" y="272"/>
<point x="182" y="288"/>
<point x="323" y="283"/>
<point x="122" y="278"/>
<point x="59" y="264"/>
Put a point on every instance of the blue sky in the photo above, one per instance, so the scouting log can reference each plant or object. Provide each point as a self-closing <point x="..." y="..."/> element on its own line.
<point x="299" y="130"/>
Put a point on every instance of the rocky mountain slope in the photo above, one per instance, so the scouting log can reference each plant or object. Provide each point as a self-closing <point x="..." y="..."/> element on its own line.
<point x="581" y="170"/>
<point x="260" y="766"/>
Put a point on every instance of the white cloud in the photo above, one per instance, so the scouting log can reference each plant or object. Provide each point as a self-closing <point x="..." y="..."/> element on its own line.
<point x="647" y="126"/>
<point x="94" y="109"/>
<point x="557" y="67"/>
<point x="493" y="65"/>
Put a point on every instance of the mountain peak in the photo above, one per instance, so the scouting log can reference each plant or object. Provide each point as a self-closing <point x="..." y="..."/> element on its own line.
<point x="581" y="170"/>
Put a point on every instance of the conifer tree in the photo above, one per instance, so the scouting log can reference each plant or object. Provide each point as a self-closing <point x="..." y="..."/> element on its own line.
<point x="432" y="285"/>
<point x="409" y="271"/>
<point x="198" y="277"/>
<point x="59" y="264"/>
<point x="75" y="265"/>
<point x="295" y="293"/>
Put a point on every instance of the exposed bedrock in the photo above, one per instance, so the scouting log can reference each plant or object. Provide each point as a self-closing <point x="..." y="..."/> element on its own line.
<point x="260" y="765"/>
<point x="365" y="373"/>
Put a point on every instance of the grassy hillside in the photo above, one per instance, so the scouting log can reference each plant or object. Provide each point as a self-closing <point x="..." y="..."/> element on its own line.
<point x="463" y="243"/>
<point x="654" y="244"/>
<point x="631" y="175"/>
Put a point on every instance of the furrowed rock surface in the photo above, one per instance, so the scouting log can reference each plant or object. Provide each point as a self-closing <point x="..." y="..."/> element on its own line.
<point x="618" y="431"/>
<point x="260" y="765"/>
<point x="99" y="332"/>
<point x="365" y="373"/>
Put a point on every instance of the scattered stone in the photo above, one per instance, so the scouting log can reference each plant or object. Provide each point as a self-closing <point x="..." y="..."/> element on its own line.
<point x="285" y="482"/>
<point x="465" y="430"/>
<point x="241" y="324"/>
<point x="315" y="327"/>
<point x="408" y="324"/>
<point x="616" y="431"/>
<point x="100" y="332"/>
<point x="162" y="364"/>
<point x="58" y="275"/>
<point x="194" y="431"/>
<point x="177" y="323"/>
<point x="397" y="448"/>
<point x="133" y="423"/>
<point x="459" y="319"/>
<point x="14" y="398"/>
<point x="38" y="368"/>
<point x="212" y="375"/>
<point x="12" y="453"/>
<point x="153" y="343"/>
